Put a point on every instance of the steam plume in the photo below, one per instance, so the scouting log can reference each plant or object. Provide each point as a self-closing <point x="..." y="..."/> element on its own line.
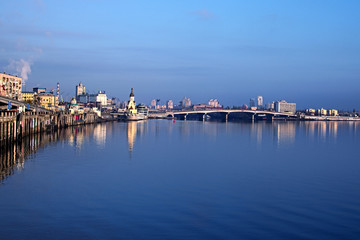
<point x="22" y="67"/>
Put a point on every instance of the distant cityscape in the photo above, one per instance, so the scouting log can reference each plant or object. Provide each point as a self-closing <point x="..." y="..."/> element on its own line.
<point x="82" y="101"/>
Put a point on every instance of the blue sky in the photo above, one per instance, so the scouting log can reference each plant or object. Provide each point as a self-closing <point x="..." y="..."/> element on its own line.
<point x="303" y="51"/>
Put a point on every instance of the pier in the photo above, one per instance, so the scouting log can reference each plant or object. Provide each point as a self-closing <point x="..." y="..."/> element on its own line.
<point x="14" y="125"/>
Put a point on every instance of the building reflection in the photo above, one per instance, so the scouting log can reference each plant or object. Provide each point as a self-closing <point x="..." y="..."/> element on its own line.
<point x="285" y="132"/>
<point x="134" y="129"/>
<point x="323" y="129"/>
<point x="100" y="134"/>
<point x="131" y="134"/>
<point x="257" y="131"/>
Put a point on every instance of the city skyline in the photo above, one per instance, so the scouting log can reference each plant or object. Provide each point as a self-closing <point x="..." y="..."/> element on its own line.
<point x="303" y="52"/>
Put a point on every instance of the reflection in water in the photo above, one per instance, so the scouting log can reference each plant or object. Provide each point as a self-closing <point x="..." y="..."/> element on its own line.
<point x="100" y="135"/>
<point x="134" y="129"/>
<point x="282" y="132"/>
<point x="324" y="129"/>
<point x="13" y="155"/>
<point x="285" y="132"/>
<point x="131" y="134"/>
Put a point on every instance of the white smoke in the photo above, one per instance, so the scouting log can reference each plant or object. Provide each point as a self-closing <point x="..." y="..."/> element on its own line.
<point x="22" y="68"/>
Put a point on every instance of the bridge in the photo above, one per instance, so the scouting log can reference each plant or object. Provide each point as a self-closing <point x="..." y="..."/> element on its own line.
<point x="225" y="112"/>
<point x="16" y="104"/>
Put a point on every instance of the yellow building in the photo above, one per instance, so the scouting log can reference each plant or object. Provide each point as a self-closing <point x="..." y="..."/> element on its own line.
<point x="323" y="112"/>
<point x="10" y="86"/>
<point x="333" y="112"/>
<point x="28" y="97"/>
<point x="47" y="100"/>
<point x="310" y="110"/>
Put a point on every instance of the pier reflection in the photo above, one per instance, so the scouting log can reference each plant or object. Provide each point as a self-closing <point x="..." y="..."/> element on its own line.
<point x="14" y="154"/>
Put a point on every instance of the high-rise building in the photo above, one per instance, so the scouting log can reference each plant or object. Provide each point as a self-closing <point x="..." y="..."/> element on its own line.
<point x="283" y="106"/>
<point x="214" y="103"/>
<point x="157" y="104"/>
<point x="100" y="97"/>
<point x="252" y="102"/>
<point x="270" y="106"/>
<point x="186" y="102"/>
<point x="260" y="102"/>
<point x="79" y="90"/>
<point x="10" y="86"/>
<point x="153" y="103"/>
<point x="169" y="104"/>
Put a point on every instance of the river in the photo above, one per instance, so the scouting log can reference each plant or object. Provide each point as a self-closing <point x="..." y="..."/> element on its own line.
<point x="160" y="179"/>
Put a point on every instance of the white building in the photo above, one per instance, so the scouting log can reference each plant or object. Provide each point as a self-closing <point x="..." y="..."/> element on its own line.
<point x="100" y="97"/>
<point x="10" y="86"/>
<point x="153" y="104"/>
<point x="186" y="102"/>
<point x="214" y="103"/>
<point x="170" y="104"/>
<point x="283" y="106"/>
<point x="269" y="106"/>
<point x="260" y="101"/>
<point x="79" y="90"/>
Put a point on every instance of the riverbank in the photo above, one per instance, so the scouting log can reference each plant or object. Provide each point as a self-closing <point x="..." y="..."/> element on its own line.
<point x="15" y="125"/>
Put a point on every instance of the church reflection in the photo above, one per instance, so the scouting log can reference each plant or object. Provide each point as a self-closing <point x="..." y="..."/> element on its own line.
<point x="131" y="135"/>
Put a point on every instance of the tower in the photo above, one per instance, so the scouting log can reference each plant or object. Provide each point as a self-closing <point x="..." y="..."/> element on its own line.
<point x="80" y="90"/>
<point x="259" y="101"/>
<point x="58" y="90"/>
<point x="131" y="103"/>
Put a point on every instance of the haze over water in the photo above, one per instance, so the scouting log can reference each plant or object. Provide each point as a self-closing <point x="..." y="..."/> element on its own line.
<point x="184" y="180"/>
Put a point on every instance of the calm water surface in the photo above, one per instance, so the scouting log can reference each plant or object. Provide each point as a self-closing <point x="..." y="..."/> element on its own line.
<point x="184" y="180"/>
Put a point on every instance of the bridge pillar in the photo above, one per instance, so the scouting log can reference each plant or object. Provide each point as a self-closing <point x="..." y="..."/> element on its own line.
<point x="226" y="117"/>
<point x="253" y="117"/>
<point x="185" y="117"/>
<point x="204" y="117"/>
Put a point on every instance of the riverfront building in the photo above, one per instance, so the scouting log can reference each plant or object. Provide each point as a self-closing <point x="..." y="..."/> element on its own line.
<point x="10" y="86"/>
<point x="153" y="103"/>
<point x="252" y="102"/>
<point x="214" y="103"/>
<point x="186" y="102"/>
<point x="260" y="101"/>
<point x="28" y="97"/>
<point x="79" y="90"/>
<point x="100" y="97"/>
<point x="333" y="112"/>
<point x="169" y="104"/>
<point x="47" y="100"/>
<point x="283" y="106"/>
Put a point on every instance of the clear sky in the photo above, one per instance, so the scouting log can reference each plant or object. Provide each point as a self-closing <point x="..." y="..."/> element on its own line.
<point x="303" y="51"/>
